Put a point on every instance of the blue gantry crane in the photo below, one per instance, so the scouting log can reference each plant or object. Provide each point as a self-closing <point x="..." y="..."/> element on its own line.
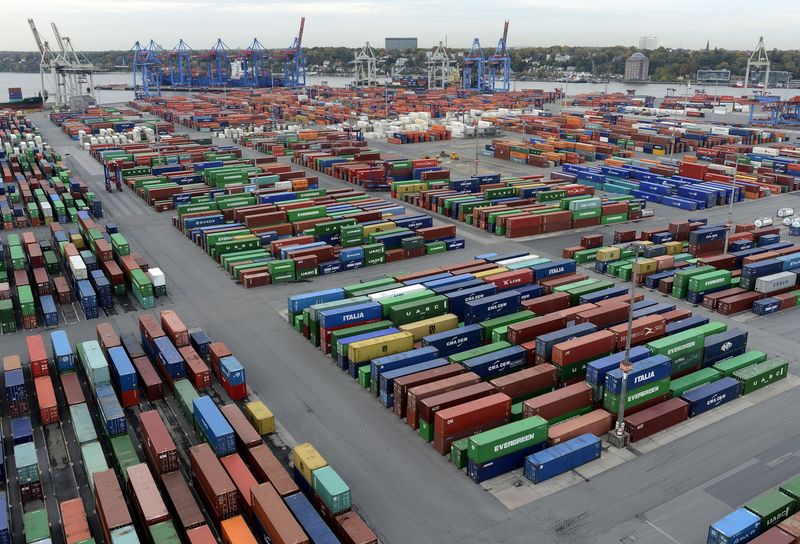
<point x="179" y="70"/>
<point x="293" y="60"/>
<point x="472" y="70"/>
<point x="218" y="69"/>
<point x="147" y="70"/>
<point x="498" y="66"/>
<point x="254" y="65"/>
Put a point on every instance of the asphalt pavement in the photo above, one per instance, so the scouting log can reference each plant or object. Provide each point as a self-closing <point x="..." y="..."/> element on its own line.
<point x="402" y="487"/>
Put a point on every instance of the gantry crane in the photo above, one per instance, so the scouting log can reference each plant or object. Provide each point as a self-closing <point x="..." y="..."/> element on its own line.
<point x="472" y="70"/>
<point x="365" y="67"/>
<point x="439" y="66"/>
<point x="147" y="70"/>
<point x="758" y="59"/>
<point x="179" y="65"/>
<point x="254" y="65"/>
<point x="66" y="74"/>
<point x="293" y="60"/>
<point x="498" y="66"/>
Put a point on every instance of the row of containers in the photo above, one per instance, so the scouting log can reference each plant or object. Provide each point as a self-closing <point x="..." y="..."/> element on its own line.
<point x="239" y="481"/>
<point x="287" y="236"/>
<point x="771" y="518"/>
<point x="687" y="185"/>
<point x="35" y="187"/>
<point x="525" y="206"/>
<point x="87" y="263"/>
<point x="509" y="360"/>
<point x="553" y="140"/>
<point x="755" y="160"/>
<point x="688" y="260"/>
<point x="323" y="105"/>
<point x="107" y="121"/>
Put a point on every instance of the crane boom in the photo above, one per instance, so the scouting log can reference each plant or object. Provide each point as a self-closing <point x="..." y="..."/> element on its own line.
<point x="505" y="34"/>
<point x="59" y="41"/>
<point x="39" y="44"/>
<point x="300" y="34"/>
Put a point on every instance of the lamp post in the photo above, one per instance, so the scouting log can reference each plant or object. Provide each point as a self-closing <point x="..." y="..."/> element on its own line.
<point x="477" y="142"/>
<point x="619" y="437"/>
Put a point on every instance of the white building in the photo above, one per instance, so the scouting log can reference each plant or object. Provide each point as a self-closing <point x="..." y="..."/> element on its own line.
<point x="649" y="43"/>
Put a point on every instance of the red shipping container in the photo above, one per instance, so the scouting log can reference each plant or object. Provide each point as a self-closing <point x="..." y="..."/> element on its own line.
<point x="570" y="314"/>
<point x="645" y="329"/>
<point x="711" y="300"/>
<point x="217" y="351"/>
<point x="774" y="535"/>
<point x="547" y="304"/>
<point x="178" y="494"/>
<point x="246" y="435"/>
<point x="37" y="356"/>
<point x="129" y="398"/>
<point x="158" y="446"/>
<point x="420" y="392"/>
<point x="597" y="422"/>
<point x="107" y="337"/>
<point x="110" y="503"/>
<point x="527" y="382"/>
<point x="150" y="329"/>
<point x="676" y="315"/>
<point x="738" y="303"/>
<point x="235" y="392"/>
<point x="606" y="315"/>
<point x="175" y="329"/>
<point x="559" y="402"/>
<point x="510" y="280"/>
<point x="242" y="478"/>
<point x="196" y="369"/>
<point x="213" y="484"/>
<point x="144" y="492"/>
<point x="551" y="283"/>
<point x="656" y="418"/>
<point x="72" y="389"/>
<point x="591" y="241"/>
<point x="454" y="422"/>
<point x="201" y="535"/>
<point x="74" y="522"/>
<point x="404" y="383"/>
<point x="525" y="331"/>
<point x="275" y="517"/>
<point x="267" y="468"/>
<point x="46" y="398"/>
<point x="351" y="529"/>
<point x="583" y="348"/>
<point x="149" y="380"/>
<point x="428" y="407"/>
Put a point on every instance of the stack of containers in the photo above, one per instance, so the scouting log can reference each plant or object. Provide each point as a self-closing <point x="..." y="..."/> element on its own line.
<point x="110" y="502"/>
<point x="28" y="474"/>
<point x="212" y="426"/>
<point x="62" y="351"/>
<point x="16" y="397"/>
<point x="232" y="377"/>
<point x="145" y="495"/>
<point x="213" y="484"/>
<point x="123" y="376"/>
<point x="46" y="398"/>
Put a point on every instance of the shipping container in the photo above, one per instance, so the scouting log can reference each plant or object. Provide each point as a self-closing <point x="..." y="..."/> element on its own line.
<point x="461" y="421"/>
<point x="561" y="458"/>
<point x="331" y="489"/>
<point x="145" y="495"/>
<point x="112" y="511"/>
<point x="164" y="533"/>
<point x="267" y="468"/>
<point x="181" y="501"/>
<point x="260" y="417"/>
<point x="242" y="478"/>
<point x="306" y="459"/>
<point x="711" y="395"/>
<point x="656" y="418"/>
<point x="273" y="517"/>
<point x="772" y="507"/>
<point x="213" y="484"/>
<point x="597" y="422"/>
<point x="94" y="460"/>
<point x="73" y="521"/>
<point x="754" y="377"/>
<point x="173" y="326"/>
<point x="235" y="531"/>
<point x="213" y="426"/>
<point x="506" y="439"/>
<point x="158" y="446"/>
<point x="201" y="535"/>
<point x="311" y="522"/>
<point x="246" y="435"/>
<point x="430" y="406"/>
<point x="351" y="529"/>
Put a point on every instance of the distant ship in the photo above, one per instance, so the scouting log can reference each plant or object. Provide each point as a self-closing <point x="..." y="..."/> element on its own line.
<point x="16" y="102"/>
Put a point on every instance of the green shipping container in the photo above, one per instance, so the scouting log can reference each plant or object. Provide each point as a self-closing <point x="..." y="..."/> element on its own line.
<point x="772" y="507"/>
<point x="124" y="535"/>
<point x="364" y="376"/>
<point x="380" y="282"/>
<point x="682" y="277"/>
<point x="491" y="325"/>
<point x="124" y="454"/>
<point x="164" y="533"/>
<point x="36" y="526"/>
<point x="335" y="494"/>
<point x="82" y="423"/>
<point x="426" y="430"/>
<point x="675" y="345"/>
<point x="418" y="310"/>
<point x="683" y="384"/>
<point x="791" y="488"/>
<point x="710" y="280"/>
<point x="755" y="377"/>
<point x="715" y="327"/>
<point x="637" y="396"/>
<point x="458" y="452"/>
<point x="692" y="360"/>
<point x="94" y="460"/>
<point x="462" y="356"/>
<point x="186" y="393"/>
<point x="728" y="366"/>
<point x="508" y="438"/>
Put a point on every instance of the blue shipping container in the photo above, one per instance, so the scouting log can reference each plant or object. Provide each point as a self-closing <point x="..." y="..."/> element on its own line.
<point x="604" y="294"/>
<point x="596" y="370"/>
<point x="15" y="385"/>
<point x="400" y="360"/>
<point x="21" y="430"/>
<point x="5" y="532"/>
<point x="170" y="358"/>
<point x="213" y="425"/>
<point x="554" y="268"/>
<point x="199" y="341"/>
<point x="723" y="345"/>
<point x="62" y="351"/>
<point x="122" y="371"/>
<point x="706" y="397"/>
<point x="738" y="527"/>
<point x="349" y="315"/>
<point x="685" y="324"/>
<point x="457" y="302"/>
<point x="562" y="457"/>
<point x="643" y="372"/>
<point x="485" y="471"/>
<point x="232" y="370"/>
<point x="507" y="302"/>
<point x="545" y="342"/>
<point x="298" y="303"/>
<point x="497" y="363"/>
<point x="314" y="526"/>
<point x="453" y="341"/>
<point x="111" y="413"/>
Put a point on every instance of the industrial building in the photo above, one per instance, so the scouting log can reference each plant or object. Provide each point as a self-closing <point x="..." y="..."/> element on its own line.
<point x="400" y="44"/>
<point x="649" y="42"/>
<point x="637" y="67"/>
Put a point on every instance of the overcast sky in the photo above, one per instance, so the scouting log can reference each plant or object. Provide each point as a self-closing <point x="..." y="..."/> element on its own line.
<point x="117" y="24"/>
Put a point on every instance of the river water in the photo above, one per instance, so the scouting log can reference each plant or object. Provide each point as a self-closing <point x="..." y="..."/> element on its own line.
<point x="31" y="83"/>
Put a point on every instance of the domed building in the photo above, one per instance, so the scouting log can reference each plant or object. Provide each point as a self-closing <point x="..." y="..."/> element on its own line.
<point x="637" y="68"/>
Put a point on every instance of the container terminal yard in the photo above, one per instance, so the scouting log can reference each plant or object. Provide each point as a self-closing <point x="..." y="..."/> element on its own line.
<point x="178" y="271"/>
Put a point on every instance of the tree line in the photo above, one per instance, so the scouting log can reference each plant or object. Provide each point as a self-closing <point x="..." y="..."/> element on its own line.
<point x="539" y="62"/>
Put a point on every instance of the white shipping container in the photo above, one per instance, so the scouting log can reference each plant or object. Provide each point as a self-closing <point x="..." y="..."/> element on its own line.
<point x="157" y="277"/>
<point x="78" y="268"/>
<point x="396" y="292"/>
<point x="775" y="282"/>
<point x="529" y="257"/>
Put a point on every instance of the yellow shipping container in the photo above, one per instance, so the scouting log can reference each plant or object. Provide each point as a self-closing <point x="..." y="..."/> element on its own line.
<point x="306" y="459"/>
<point x="673" y="248"/>
<point x="365" y="350"/>
<point x="644" y="242"/>
<point x="411" y="188"/>
<point x="483" y="274"/>
<point x="608" y="254"/>
<point x="77" y="241"/>
<point x="646" y="266"/>
<point x="260" y="417"/>
<point x="433" y="325"/>
<point x="386" y="225"/>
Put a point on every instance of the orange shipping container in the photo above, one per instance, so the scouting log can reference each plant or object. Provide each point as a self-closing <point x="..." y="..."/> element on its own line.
<point x="46" y="398"/>
<point x="73" y="521"/>
<point x="242" y="478"/>
<point x="236" y="531"/>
